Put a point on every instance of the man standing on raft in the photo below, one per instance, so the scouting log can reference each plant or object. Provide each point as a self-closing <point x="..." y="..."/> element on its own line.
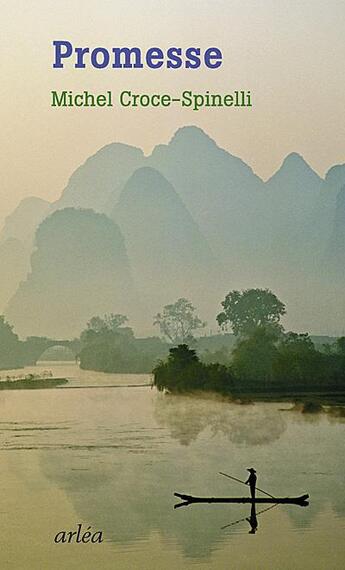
<point x="251" y="481"/>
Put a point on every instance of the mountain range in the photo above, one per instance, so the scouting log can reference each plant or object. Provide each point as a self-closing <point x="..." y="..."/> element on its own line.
<point x="194" y="221"/>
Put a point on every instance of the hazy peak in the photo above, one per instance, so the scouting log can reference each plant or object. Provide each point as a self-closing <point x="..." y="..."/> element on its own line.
<point x="148" y="174"/>
<point x="149" y="184"/>
<point x="296" y="167"/>
<point x="32" y="201"/>
<point x="295" y="160"/>
<point x="28" y="205"/>
<point x="191" y="134"/>
<point x="104" y="157"/>
<point x="336" y="175"/>
<point x="98" y="181"/>
<point x="116" y="148"/>
<point x="195" y="150"/>
<point x="22" y="222"/>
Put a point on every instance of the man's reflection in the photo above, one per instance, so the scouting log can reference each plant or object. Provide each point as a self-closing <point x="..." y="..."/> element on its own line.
<point x="253" y="521"/>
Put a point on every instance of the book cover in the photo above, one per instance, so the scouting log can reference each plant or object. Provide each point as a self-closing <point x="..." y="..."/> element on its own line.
<point x="172" y="309"/>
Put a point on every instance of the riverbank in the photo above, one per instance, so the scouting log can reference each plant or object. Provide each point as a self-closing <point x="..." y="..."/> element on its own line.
<point x="327" y="396"/>
<point x="32" y="383"/>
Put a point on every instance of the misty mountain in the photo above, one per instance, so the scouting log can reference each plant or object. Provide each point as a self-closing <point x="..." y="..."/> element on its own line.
<point x="101" y="178"/>
<point x="14" y="265"/>
<point x="332" y="218"/>
<point x="293" y="186"/>
<point x="79" y="268"/>
<point x="291" y="193"/>
<point x="294" y="199"/>
<point x="301" y="207"/>
<point x="221" y="192"/>
<point x="191" y="213"/>
<point x="335" y="177"/>
<point x="169" y="255"/>
<point x="336" y="250"/>
<point x="22" y="223"/>
<point x="262" y="232"/>
<point x="16" y="239"/>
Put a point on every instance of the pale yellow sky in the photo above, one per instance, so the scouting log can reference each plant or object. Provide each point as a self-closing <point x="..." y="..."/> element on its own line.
<point x="290" y="54"/>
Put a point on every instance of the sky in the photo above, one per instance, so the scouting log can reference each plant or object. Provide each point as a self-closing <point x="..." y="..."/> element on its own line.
<point x="290" y="55"/>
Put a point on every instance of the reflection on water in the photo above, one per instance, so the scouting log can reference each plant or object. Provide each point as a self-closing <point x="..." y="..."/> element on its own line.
<point x="187" y="417"/>
<point x="252" y="519"/>
<point x="112" y="458"/>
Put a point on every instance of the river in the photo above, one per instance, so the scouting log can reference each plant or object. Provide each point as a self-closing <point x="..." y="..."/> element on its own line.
<point x="108" y="453"/>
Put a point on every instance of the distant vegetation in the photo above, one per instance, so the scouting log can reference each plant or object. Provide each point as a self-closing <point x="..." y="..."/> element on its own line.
<point x="290" y="361"/>
<point x="183" y="372"/>
<point x="260" y="363"/>
<point x="247" y="310"/>
<point x="108" y="346"/>
<point x="260" y="357"/>
<point x="11" y="350"/>
<point x="264" y="358"/>
<point x="15" y="353"/>
<point x="179" y="321"/>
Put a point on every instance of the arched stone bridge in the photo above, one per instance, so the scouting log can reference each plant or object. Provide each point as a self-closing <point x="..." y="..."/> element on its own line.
<point x="35" y="346"/>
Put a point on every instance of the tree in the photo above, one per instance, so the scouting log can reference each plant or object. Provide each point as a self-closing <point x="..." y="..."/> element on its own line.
<point x="251" y="308"/>
<point x="183" y="372"/>
<point x="182" y="356"/>
<point x="7" y="336"/>
<point x="340" y="346"/>
<point x="179" y="321"/>
<point x="298" y="361"/>
<point x="11" y="351"/>
<point x="254" y="356"/>
<point x="99" y="327"/>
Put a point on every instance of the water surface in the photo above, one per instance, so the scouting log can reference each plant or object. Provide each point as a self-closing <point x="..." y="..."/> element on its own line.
<point x="110" y="455"/>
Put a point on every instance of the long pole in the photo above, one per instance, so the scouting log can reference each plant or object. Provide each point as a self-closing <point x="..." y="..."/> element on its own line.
<point x="257" y="514"/>
<point x="239" y="481"/>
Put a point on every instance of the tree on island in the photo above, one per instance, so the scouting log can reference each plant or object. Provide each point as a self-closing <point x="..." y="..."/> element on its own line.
<point x="298" y="361"/>
<point x="184" y="372"/>
<point x="254" y="356"/>
<point x="181" y="356"/>
<point x="246" y="310"/>
<point x="179" y="321"/>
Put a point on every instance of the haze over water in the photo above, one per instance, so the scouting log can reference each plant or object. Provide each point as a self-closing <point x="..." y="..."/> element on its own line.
<point x="112" y="457"/>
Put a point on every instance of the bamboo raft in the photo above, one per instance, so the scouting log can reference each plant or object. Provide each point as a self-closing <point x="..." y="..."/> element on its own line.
<point x="302" y="501"/>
